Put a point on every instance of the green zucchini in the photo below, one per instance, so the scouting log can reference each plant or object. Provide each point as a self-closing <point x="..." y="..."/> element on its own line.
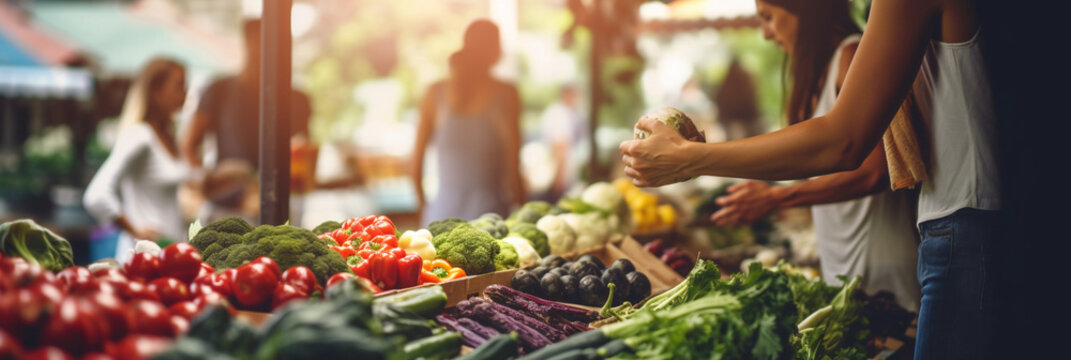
<point x="425" y="301"/>
<point x="442" y="346"/>
<point x="502" y="346"/>
<point x="585" y="340"/>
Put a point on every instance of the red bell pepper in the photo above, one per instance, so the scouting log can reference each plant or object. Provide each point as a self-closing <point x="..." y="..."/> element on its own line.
<point x="382" y="226"/>
<point x="360" y="266"/>
<point x="384" y="268"/>
<point x="409" y="268"/>
<point x="345" y="251"/>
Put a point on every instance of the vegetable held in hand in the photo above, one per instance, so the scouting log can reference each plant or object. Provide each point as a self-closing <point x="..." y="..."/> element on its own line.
<point x="676" y="120"/>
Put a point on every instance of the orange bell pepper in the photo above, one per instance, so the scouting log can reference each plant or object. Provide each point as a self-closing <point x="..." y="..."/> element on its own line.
<point x="438" y="270"/>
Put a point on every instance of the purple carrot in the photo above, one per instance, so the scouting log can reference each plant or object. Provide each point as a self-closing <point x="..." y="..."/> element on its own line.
<point x="518" y="300"/>
<point x="468" y="336"/>
<point x="483" y="310"/>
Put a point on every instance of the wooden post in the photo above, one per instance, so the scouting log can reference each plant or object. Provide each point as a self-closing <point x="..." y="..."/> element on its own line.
<point x="596" y="28"/>
<point x="275" y="112"/>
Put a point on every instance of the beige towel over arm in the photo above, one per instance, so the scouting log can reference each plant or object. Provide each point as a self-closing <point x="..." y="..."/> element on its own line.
<point x="907" y="167"/>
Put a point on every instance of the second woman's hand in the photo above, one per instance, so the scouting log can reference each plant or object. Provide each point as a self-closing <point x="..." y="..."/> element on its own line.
<point x="662" y="158"/>
<point x="746" y="203"/>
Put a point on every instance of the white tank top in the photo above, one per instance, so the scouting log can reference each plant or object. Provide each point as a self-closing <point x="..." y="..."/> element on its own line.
<point x="873" y="236"/>
<point x="954" y="97"/>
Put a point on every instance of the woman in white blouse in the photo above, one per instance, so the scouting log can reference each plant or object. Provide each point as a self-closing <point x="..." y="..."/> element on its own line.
<point x="137" y="186"/>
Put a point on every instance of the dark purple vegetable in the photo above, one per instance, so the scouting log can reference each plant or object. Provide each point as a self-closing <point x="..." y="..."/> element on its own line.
<point x="478" y="328"/>
<point x="552" y="261"/>
<point x="570" y="327"/>
<point x="526" y="281"/>
<point x="615" y="276"/>
<point x="533" y="321"/>
<point x="639" y="287"/>
<point x="539" y="271"/>
<point x="558" y="271"/>
<point x="468" y="336"/>
<point x="569" y="285"/>
<point x="551" y="284"/>
<point x="624" y="264"/>
<point x="531" y="339"/>
<point x="580" y="269"/>
<point x="567" y="265"/>
<point x="593" y="259"/>
<point x="521" y="301"/>
<point x="592" y="291"/>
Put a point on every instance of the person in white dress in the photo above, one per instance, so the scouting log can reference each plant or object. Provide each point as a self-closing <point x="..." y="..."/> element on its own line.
<point x="137" y="186"/>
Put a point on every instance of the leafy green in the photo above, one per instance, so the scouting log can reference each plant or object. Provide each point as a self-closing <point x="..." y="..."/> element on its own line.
<point x="38" y="245"/>
<point x="836" y="331"/>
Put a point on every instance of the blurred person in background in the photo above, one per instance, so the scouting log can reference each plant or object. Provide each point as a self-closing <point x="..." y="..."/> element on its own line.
<point x="230" y="109"/>
<point x="738" y="109"/>
<point x="137" y="186"/>
<point x="564" y="130"/>
<point x="861" y="226"/>
<point x="473" y="120"/>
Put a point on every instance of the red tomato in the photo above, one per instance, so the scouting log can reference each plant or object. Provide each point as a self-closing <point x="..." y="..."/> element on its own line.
<point x="22" y="273"/>
<point x="337" y="278"/>
<point x="74" y="275"/>
<point x="76" y="326"/>
<point x="149" y="318"/>
<point x="179" y="324"/>
<point x="23" y="311"/>
<point x="138" y="347"/>
<point x="143" y="267"/>
<point x="170" y="290"/>
<point x="131" y="290"/>
<point x="211" y="282"/>
<point x="113" y="310"/>
<point x="206" y="299"/>
<point x="284" y="294"/>
<point x="267" y="261"/>
<point x="181" y="261"/>
<point x="97" y="356"/>
<point x="206" y="269"/>
<point x="112" y="274"/>
<point x="186" y="309"/>
<point x="253" y="284"/>
<point x="302" y="278"/>
<point x="9" y="346"/>
<point x="47" y="353"/>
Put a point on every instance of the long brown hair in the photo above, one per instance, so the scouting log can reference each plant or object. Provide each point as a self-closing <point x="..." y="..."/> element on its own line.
<point x="480" y="52"/>
<point x="822" y="24"/>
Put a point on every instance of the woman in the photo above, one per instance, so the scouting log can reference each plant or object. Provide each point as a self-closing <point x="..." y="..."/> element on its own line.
<point x="861" y="227"/>
<point x="474" y="122"/>
<point x="136" y="187"/>
<point x="961" y="202"/>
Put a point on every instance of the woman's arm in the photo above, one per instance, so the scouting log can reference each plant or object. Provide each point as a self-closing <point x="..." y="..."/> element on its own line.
<point x="750" y="201"/>
<point x="512" y="137"/>
<point x="884" y="67"/>
<point x="424" y="130"/>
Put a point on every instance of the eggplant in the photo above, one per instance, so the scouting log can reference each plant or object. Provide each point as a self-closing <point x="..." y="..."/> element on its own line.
<point x="570" y="284"/>
<point x="593" y="259"/>
<point x="639" y="287"/>
<point x="615" y="276"/>
<point x="552" y="261"/>
<point x="551" y="284"/>
<point x="558" y="271"/>
<point x="567" y="265"/>
<point x="581" y="268"/>
<point x="624" y="264"/>
<point x="526" y="281"/>
<point x="539" y="271"/>
<point x="592" y="291"/>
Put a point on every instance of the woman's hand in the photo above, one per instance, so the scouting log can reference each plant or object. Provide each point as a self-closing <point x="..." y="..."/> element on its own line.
<point x="145" y="234"/>
<point x="662" y="158"/>
<point x="747" y="202"/>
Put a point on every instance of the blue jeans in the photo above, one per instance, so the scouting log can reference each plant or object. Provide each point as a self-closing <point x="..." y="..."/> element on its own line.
<point x="958" y="313"/>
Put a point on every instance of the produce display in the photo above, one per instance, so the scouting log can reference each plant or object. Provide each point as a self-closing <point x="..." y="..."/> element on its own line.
<point x="673" y="257"/>
<point x="532" y="322"/>
<point x="122" y="312"/>
<point x="231" y="242"/>
<point x="348" y="323"/>
<point x="584" y="281"/>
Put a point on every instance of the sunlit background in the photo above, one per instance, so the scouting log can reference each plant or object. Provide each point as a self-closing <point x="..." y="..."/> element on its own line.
<point x="65" y="67"/>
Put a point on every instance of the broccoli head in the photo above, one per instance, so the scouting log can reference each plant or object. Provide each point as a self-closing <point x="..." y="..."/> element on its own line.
<point x="326" y="226"/>
<point x="535" y="236"/>
<point x="467" y="247"/>
<point x="225" y="232"/>
<point x="289" y="246"/>
<point x="507" y="257"/>
<point x="492" y="224"/>
<point x="445" y="225"/>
